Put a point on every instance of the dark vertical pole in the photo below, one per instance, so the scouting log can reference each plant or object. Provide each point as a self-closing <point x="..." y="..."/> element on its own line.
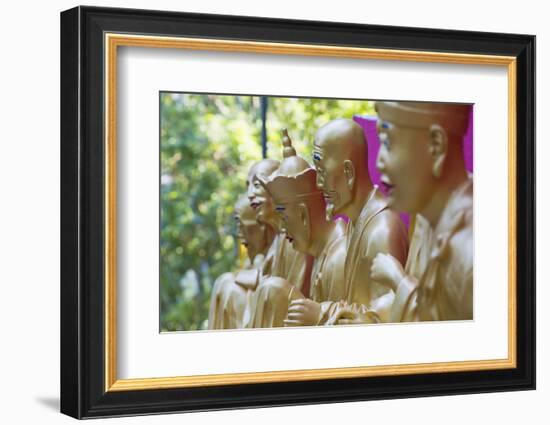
<point x="263" y="106"/>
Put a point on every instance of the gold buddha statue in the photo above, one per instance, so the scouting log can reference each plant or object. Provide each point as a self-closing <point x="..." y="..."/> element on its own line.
<point x="302" y="209"/>
<point x="231" y="291"/>
<point x="421" y="163"/>
<point x="266" y="307"/>
<point x="340" y="158"/>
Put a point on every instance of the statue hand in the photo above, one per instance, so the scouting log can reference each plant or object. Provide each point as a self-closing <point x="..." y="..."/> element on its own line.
<point x="387" y="271"/>
<point x="351" y="316"/>
<point x="303" y="312"/>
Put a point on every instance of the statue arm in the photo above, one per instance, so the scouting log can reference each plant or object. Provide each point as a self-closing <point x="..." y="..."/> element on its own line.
<point x="404" y="305"/>
<point x="381" y="267"/>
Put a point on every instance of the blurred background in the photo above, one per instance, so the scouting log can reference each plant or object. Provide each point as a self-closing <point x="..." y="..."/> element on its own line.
<point x="207" y="144"/>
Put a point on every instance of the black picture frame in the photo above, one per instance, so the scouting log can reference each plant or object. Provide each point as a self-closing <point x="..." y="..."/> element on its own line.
<point x="83" y="392"/>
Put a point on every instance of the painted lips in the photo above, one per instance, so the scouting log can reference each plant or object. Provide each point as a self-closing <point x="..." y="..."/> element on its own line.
<point x="386" y="185"/>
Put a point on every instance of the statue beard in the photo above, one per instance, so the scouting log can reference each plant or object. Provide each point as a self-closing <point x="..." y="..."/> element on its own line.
<point x="331" y="203"/>
<point x="329" y="211"/>
<point x="336" y="199"/>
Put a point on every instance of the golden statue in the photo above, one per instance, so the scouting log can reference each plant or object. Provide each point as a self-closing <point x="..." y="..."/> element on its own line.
<point x="340" y="158"/>
<point x="421" y="163"/>
<point x="387" y="271"/>
<point x="302" y="209"/>
<point x="231" y="291"/>
<point x="269" y="303"/>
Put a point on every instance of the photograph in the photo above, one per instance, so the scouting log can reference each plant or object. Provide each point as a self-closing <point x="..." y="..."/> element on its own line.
<point x="264" y="211"/>
<point x="291" y="211"/>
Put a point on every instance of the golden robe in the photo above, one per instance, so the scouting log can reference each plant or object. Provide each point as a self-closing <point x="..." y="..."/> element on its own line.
<point x="283" y="275"/>
<point x="327" y="276"/>
<point x="377" y="230"/>
<point x="445" y="289"/>
<point x="326" y="282"/>
<point x="230" y="295"/>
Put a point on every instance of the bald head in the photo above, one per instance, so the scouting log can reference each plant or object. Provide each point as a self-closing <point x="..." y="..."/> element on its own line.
<point x="340" y="158"/>
<point x="344" y="138"/>
<point x="452" y="117"/>
<point x="263" y="168"/>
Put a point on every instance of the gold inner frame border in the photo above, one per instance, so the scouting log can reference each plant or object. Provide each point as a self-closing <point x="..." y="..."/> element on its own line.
<point x="113" y="40"/>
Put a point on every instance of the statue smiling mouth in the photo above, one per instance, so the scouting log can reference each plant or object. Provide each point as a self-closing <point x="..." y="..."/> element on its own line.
<point x="256" y="204"/>
<point x="386" y="184"/>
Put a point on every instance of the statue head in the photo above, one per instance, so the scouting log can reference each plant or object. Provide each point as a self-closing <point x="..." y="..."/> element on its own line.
<point x="420" y="146"/>
<point x="340" y="158"/>
<point x="297" y="198"/>
<point x="250" y="232"/>
<point x="259" y="198"/>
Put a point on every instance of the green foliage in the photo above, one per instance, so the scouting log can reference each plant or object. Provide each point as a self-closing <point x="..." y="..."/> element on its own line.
<point x="208" y="142"/>
<point x="303" y="117"/>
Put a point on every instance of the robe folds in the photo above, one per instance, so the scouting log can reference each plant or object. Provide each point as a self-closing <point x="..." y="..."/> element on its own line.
<point x="376" y="230"/>
<point x="445" y="289"/>
<point x="326" y="282"/>
<point x="230" y="295"/>
<point x="282" y="278"/>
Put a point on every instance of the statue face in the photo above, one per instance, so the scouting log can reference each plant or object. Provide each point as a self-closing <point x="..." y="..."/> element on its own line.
<point x="259" y="199"/>
<point x="405" y="164"/>
<point x="251" y="234"/>
<point x="331" y="179"/>
<point x="258" y="196"/>
<point x="296" y="225"/>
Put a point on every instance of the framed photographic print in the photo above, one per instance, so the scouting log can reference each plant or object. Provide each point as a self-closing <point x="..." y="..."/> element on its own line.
<point x="261" y="212"/>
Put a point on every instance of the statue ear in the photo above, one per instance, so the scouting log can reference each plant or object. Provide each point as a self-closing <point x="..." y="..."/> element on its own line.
<point x="439" y="145"/>
<point x="349" y="171"/>
<point x="305" y="219"/>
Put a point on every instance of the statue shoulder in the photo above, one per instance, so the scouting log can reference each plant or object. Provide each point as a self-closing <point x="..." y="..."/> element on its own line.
<point x="461" y="245"/>
<point x="386" y="233"/>
<point x="454" y="251"/>
<point x="224" y="278"/>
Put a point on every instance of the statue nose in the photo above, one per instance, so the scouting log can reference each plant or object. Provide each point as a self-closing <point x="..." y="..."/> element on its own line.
<point x="319" y="182"/>
<point x="380" y="164"/>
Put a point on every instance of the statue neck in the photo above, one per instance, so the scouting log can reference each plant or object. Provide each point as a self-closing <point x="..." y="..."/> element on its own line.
<point x="270" y="233"/>
<point x="273" y="221"/>
<point x="320" y="236"/>
<point x="363" y="191"/>
<point x="454" y="177"/>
